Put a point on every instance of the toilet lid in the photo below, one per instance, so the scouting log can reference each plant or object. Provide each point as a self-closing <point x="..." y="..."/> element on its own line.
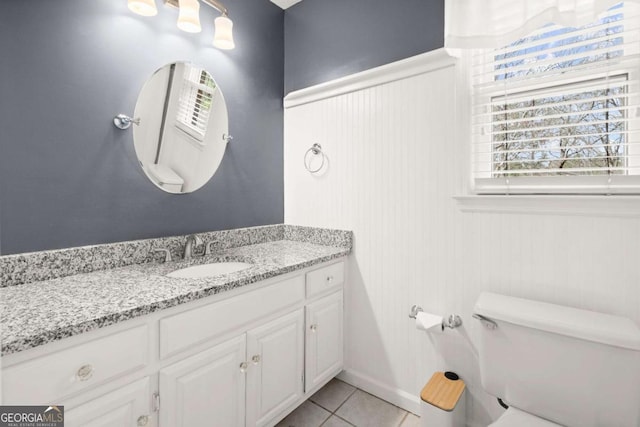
<point x="165" y="175"/>
<point x="516" y="418"/>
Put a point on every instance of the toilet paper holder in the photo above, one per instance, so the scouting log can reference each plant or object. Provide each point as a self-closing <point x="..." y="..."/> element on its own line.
<point x="452" y="321"/>
<point x="415" y="309"/>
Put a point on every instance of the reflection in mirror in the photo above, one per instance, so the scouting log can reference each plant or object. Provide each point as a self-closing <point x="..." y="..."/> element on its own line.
<point x="183" y="127"/>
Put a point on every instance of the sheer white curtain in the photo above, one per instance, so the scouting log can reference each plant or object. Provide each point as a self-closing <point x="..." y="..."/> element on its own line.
<point x="471" y="24"/>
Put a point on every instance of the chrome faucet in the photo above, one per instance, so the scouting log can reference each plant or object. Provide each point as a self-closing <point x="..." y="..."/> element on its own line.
<point x="193" y="241"/>
<point x="209" y="248"/>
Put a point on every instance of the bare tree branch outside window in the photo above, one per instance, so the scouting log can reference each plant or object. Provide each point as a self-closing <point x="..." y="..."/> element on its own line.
<point x="568" y="129"/>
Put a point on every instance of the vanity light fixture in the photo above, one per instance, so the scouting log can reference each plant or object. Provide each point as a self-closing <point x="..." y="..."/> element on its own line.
<point x="223" y="36"/>
<point x="189" y="18"/>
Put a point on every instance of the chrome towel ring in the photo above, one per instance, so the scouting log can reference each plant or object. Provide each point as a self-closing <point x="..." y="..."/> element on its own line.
<point x="315" y="150"/>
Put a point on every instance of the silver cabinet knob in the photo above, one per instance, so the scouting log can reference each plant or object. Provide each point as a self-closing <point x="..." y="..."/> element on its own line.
<point x="256" y="359"/>
<point x="85" y="372"/>
<point x="313" y="328"/>
<point x="143" y="420"/>
<point x="329" y="279"/>
<point x="243" y="367"/>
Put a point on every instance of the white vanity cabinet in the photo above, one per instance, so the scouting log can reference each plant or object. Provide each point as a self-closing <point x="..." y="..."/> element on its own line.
<point x="126" y="406"/>
<point x="247" y="380"/>
<point x="324" y="343"/>
<point x="276" y="368"/>
<point x="242" y="358"/>
<point x="68" y="371"/>
<point x="205" y="389"/>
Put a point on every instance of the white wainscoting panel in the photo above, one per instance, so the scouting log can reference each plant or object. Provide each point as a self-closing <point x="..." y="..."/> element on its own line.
<point x="395" y="161"/>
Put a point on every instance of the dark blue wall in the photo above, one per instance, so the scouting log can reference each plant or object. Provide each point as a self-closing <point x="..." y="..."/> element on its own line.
<point x="68" y="177"/>
<point x="327" y="39"/>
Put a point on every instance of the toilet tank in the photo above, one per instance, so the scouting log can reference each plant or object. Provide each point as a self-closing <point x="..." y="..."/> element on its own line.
<point x="573" y="367"/>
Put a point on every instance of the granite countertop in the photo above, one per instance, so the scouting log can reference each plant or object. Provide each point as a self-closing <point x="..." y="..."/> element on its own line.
<point x="36" y="313"/>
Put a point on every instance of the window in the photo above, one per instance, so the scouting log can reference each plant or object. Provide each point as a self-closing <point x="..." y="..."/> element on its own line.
<point x="558" y="111"/>
<point x="194" y="105"/>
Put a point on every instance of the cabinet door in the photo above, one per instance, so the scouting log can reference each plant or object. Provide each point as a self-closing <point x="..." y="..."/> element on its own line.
<point x="206" y="389"/>
<point x="275" y="353"/>
<point x="323" y="339"/>
<point x="128" y="406"/>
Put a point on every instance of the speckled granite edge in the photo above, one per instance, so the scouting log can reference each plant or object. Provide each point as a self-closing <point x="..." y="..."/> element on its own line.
<point x="319" y="236"/>
<point x="158" y="293"/>
<point x="36" y="266"/>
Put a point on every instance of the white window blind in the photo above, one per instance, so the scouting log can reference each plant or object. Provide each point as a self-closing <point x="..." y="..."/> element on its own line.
<point x="194" y="105"/>
<point x="558" y="111"/>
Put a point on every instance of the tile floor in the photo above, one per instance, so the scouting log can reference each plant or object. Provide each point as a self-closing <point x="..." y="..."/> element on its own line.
<point x="339" y="404"/>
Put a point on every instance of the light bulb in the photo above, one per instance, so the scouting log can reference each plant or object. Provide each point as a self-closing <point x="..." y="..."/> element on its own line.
<point x="223" y="37"/>
<point x="143" y="7"/>
<point x="189" y="17"/>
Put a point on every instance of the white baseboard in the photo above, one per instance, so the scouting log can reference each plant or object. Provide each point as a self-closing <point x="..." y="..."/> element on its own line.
<point x="400" y="398"/>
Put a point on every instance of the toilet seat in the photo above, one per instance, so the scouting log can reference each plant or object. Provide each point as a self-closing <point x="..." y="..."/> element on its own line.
<point x="164" y="175"/>
<point x="516" y="418"/>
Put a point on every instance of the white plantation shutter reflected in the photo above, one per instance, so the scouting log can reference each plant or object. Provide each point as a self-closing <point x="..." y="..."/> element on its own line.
<point x="194" y="106"/>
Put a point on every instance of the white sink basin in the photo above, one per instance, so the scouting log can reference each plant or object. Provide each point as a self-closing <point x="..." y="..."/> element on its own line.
<point x="209" y="270"/>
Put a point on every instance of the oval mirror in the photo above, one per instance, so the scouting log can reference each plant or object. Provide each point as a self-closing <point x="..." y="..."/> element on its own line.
<point x="183" y="128"/>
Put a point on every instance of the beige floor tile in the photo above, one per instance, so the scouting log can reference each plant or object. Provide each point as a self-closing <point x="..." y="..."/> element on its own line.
<point x="306" y="415"/>
<point x="332" y="395"/>
<point x="365" y="410"/>
<point x="411" y="421"/>
<point x="334" y="421"/>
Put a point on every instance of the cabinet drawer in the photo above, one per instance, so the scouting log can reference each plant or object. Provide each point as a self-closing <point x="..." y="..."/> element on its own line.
<point x="183" y="330"/>
<point x="48" y="378"/>
<point x="325" y="278"/>
<point x="126" y="406"/>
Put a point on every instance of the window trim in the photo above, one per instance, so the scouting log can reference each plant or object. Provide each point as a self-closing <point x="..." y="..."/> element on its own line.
<point x="627" y="206"/>
<point x="552" y="185"/>
<point x="601" y="184"/>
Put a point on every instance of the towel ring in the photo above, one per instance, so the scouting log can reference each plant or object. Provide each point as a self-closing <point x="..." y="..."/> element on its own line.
<point x="316" y="149"/>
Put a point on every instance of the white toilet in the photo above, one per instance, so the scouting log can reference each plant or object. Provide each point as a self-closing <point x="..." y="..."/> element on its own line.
<point x="165" y="178"/>
<point x="555" y="365"/>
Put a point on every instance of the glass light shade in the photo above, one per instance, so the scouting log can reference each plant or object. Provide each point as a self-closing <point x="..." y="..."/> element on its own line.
<point x="143" y="7"/>
<point x="223" y="37"/>
<point x="189" y="17"/>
